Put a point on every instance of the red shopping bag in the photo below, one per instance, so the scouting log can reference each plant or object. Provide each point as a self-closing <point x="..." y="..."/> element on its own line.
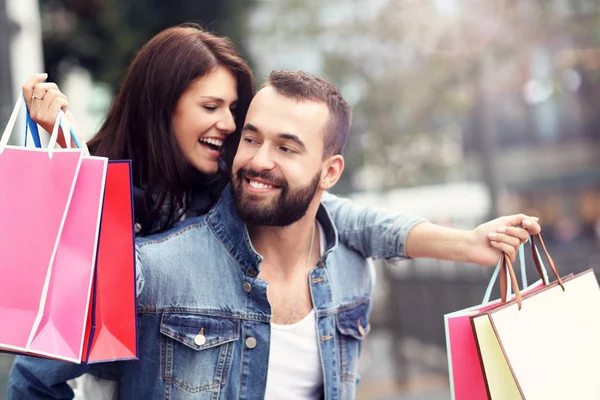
<point x="112" y="322"/>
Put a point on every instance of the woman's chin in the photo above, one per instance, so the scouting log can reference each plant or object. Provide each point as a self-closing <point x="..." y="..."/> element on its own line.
<point x="206" y="167"/>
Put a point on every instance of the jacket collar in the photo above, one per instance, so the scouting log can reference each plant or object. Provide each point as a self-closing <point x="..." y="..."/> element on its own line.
<point x="233" y="234"/>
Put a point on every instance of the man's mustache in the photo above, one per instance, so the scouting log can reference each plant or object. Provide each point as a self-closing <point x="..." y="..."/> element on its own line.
<point x="268" y="176"/>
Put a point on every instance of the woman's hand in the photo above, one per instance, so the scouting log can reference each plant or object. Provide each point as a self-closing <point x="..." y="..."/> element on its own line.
<point x="44" y="100"/>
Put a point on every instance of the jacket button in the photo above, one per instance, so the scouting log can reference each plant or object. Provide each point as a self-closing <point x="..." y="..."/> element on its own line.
<point x="251" y="342"/>
<point x="247" y="287"/>
<point x="200" y="339"/>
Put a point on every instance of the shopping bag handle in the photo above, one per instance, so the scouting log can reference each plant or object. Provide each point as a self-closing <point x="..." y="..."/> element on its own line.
<point x="60" y="118"/>
<point x="523" y="265"/>
<point x="538" y="262"/>
<point x="62" y="122"/>
<point x="31" y="126"/>
<point x="504" y="281"/>
<point x="35" y="133"/>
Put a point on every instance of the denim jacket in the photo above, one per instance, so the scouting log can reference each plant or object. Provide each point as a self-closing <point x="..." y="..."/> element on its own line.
<point x="204" y="318"/>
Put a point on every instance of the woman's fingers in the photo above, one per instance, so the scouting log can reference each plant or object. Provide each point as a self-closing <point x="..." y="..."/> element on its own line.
<point x="43" y="111"/>
<point x="57" y="103"/>
<point x="40" y="90"/>
<point x="29" y="86"/>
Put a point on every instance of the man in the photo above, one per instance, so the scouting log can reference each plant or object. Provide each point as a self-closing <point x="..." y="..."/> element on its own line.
<point x="258" y="299"/>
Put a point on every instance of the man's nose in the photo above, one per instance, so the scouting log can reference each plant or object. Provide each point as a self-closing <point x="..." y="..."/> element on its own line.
<point x="262" y="160"/>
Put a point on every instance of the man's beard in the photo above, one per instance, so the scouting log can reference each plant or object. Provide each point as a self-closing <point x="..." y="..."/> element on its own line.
<point x="283" y="210"/>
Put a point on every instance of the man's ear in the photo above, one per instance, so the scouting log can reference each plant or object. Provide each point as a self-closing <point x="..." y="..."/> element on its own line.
<point x="332" y="170"/>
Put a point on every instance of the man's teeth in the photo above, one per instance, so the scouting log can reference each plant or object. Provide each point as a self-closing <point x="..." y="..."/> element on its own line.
<point x="259" y="185"/>
<point x="214" y="142"/>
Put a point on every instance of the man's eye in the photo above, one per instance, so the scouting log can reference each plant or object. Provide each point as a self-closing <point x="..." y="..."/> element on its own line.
<point x="286" y="149"/>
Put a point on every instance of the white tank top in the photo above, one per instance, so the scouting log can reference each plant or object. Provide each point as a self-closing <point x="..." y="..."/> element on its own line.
<point x="295" y="371"/>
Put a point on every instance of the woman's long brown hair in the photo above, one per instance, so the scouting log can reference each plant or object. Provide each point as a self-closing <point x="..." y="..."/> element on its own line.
<point x="138" y="124"/>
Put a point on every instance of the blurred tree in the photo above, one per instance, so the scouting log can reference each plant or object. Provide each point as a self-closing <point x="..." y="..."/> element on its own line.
<point x="103" y="35"/>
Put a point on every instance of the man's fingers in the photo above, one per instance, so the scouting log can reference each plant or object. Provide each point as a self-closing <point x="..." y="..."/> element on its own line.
<point x="531" y="224"/>
<point x="532" y="227"/>
<point x="507" y="249"/>
<point x="521" y="234"/>
<point x="518" y="219"/>
<point x="509" y="240"/>
<point x="30" y="84"/>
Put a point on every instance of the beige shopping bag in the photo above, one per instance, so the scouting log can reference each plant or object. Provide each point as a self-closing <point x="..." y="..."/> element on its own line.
<point x="545" y="345"/>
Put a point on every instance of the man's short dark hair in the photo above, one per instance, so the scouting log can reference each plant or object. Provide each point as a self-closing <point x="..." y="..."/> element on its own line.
<point x="301" y="85"/>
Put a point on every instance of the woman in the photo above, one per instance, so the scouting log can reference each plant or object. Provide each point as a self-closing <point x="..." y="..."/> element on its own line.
<point x="178" y="117"/>
<point x="177" y="110"/>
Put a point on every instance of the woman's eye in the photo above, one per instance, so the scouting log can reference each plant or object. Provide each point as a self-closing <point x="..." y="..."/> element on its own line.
<point x="210" y="108"/>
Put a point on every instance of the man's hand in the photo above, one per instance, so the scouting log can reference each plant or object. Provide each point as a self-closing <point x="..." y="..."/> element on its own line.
<point x="502" y="234"/>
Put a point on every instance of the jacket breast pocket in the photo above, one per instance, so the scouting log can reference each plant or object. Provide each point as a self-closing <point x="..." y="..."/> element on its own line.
<point x="196" y="351"/>
<point x="353" y="326"/>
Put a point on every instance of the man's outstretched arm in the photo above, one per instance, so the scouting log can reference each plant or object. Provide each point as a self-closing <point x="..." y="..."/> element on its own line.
<point x="479" y="246"/>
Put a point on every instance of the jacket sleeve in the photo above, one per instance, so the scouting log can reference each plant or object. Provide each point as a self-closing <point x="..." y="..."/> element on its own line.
<point x="40" y="378"/>
<point x="371" y="232"/>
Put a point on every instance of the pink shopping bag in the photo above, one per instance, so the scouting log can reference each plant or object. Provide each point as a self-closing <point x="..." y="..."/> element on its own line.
<point x="467" y="380"/>
<point x="36" y="187"/>
<point x="61" y="332"/>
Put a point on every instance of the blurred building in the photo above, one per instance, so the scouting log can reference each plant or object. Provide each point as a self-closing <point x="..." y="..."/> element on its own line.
<point x="7" y="28"/>
<point x="20" y="54"/>
<point x="542" y="112"/>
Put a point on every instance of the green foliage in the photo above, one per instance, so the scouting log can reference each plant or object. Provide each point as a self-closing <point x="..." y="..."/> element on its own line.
<point x="103" y="35"/>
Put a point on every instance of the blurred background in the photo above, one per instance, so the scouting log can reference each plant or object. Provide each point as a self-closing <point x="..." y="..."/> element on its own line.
<point x="463" y="110"/>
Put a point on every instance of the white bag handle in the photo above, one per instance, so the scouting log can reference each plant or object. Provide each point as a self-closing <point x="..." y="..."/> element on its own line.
<point x="63" y="122"/>
<point x="60" y="118"/>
